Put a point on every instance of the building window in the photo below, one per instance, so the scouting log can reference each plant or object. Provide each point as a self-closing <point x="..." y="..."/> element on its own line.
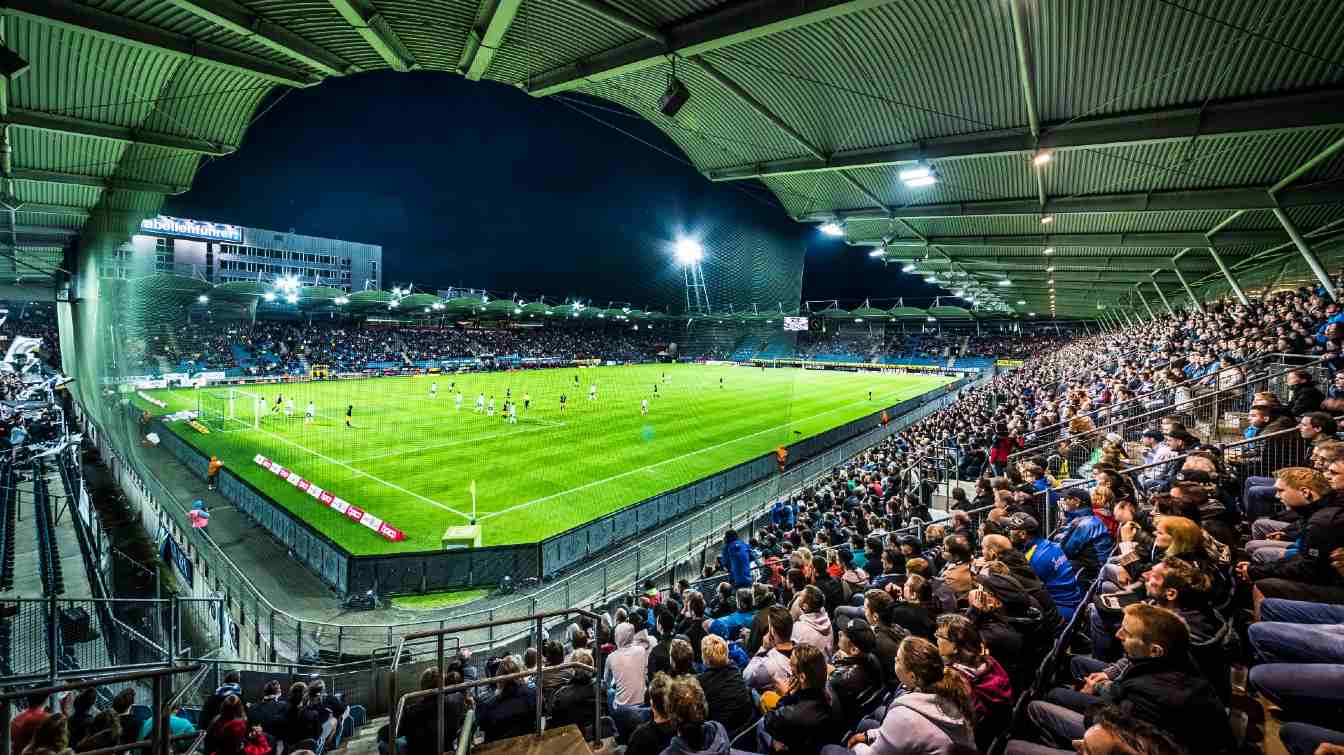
<point x="163" y="255"/>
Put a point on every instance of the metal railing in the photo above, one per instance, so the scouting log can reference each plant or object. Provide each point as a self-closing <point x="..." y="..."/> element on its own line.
<point x="159" y="741"/>
<point x="538" y="622"/>
<point x="1141" y="401"/>
<point x="268" y="632"/>
<point x="1206" y="408"/>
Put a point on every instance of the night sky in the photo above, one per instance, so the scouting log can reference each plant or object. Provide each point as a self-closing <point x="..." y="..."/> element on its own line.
<point x="476" y="184"/>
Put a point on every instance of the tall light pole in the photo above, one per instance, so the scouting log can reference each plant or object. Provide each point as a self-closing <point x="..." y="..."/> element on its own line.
<point x="689" y="255"/>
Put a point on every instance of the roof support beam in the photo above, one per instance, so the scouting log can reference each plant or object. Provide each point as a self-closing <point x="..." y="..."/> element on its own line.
<point x="1162" y="295"/>
<point x="1249" y="198"/>
<point x="1138" y="289"/>
<point x="1305" y="249"/>
<point x="1245" y="116"/>
<point x="1176" y="239"/>
<point x="365" y="18"/>
<point x="1176" y="268"/>
<point x="735" y="24"/>
<point x="483" y="41"/>
<point x="87" y="19"/>
<point x="76" y="179"/>
<point x="67" y="124"/>
<point x="229" y="15"/>
<point x="53" y="209"/>
<point x="1026" y="77"/>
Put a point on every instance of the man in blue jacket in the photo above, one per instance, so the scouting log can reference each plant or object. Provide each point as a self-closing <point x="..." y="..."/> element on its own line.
<point x="782" y="514"/>
<point x="1084" y="538"/>
<point x="1052" y="567"/>
<point x="736" y="558"/>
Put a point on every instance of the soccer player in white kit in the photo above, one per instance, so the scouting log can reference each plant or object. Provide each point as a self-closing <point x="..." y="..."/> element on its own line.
<point x="309" y="413"/>
<point x="490" y="407"/>
<point x="592" y="392"/>
<point x="434" y="389"/>
<point x="289" y="407"/>
<point x="480" y="403"/>
<point x="644" y="406"/>
<point x="457" y="401"/>
<point x="513" y="413"/>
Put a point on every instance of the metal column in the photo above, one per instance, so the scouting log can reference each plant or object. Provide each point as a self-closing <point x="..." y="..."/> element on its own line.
<point x="1307" y="254"/>
<point x="1161" y="295"/>
<point x="1139" y="290"/>
<point x="1188" y="291"/>
<point x="1227" y="273"/>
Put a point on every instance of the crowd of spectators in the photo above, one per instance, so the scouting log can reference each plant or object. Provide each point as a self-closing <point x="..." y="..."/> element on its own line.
<point x="864" y="619"/>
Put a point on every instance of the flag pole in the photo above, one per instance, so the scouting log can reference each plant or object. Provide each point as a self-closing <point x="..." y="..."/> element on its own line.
<point x="473" y="502"/>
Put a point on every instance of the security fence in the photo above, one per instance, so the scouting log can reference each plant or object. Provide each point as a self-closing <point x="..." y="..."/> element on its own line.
<point x="255" y="629"/>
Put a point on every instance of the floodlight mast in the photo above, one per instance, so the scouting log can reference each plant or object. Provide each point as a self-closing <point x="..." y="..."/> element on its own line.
<point x="690" y="254"/>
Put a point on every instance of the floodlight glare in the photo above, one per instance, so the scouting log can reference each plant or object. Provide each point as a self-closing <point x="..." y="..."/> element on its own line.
<point x="930" y="279"/>
<point x="877" y="253"/>
<point x="1041" y="158"/>
<point x="292" y="298"/>
<point x="1047" y="219"/>
<point x="203" y="299"/>
<point x="393" y="304"/>
<point x="1005" y="282"/>
<point x="689" y="251"/>
<point x="341" y="300"/>
<point x="907" y="268"/>
<point x="919" y="171"/>
<point x="915" y="183"/>
<point x="287" y="283"/>
<point x="269" y="296"/>
<point x="1048" y="250"/>
<point x="832" y="229"/>
<point x="1021" y="303"/>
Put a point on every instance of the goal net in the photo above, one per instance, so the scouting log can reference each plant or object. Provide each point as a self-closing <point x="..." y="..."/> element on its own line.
<point x="229" y="409"/>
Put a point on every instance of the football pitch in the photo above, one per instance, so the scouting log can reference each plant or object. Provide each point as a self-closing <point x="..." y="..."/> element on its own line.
<point x="411" y="458"/>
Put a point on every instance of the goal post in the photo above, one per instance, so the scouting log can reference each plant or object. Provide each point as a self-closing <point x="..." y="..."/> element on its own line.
<point x="229" y="409"/>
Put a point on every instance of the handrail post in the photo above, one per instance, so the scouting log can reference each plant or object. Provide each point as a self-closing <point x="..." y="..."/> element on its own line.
<point x="541" y="676"/>
<point x="441" y="698"/>
<point x="157" y="731"/>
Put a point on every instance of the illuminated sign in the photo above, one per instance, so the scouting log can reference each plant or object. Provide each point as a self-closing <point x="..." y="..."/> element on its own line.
<point x="795" y="323"/>
<point x="193" y="228"/>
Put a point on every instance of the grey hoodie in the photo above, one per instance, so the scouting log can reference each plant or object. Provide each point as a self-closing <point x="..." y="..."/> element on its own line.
<point x="716" y="742"/>
<point x="814" y="629"/>
<point x="918" y="723"/>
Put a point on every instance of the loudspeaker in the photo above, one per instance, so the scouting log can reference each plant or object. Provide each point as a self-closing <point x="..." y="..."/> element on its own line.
<point x="673" y="98"/>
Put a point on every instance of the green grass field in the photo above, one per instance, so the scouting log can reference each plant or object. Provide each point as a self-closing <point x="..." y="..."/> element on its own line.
<point x="410" y="458"/>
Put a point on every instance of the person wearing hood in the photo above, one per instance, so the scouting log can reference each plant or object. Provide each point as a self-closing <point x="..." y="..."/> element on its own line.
<point x="806" y="718"/>
<point x="936" y="716"/>
<point x="689" y="715"/>
<point x="813" y="626"/>
<point x="736" y="558"/>
<point x="730" y="627"/>
<point x="624" y="678"/>
<point x="769" y="668"/>
<point x="857" y="675"/>
<point x="960" y="646"/>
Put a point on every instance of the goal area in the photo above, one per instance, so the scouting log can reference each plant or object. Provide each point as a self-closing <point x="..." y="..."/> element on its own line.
<point x="223" y="409"/>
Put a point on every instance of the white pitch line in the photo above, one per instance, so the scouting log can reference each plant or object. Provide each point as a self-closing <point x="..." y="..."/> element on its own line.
<point x="362" y="473"/>
<point x="646" y="468"/>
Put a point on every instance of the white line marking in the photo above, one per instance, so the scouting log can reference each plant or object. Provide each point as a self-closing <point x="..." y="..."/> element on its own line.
<point x="362" y="473"/>
<point x="648" y="467"/>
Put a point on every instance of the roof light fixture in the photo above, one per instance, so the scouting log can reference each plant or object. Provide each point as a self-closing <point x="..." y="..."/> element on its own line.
<point x="1048" y="250"/>
<point x="878" y="253"/>
<point x="910" y="268"/>
<point x="1005" y="282"/>
<point x="919" y="175"/>
<point x="1041" y="158"/>
<point x="1047" y="219"/>
<point x="832" y="228"/>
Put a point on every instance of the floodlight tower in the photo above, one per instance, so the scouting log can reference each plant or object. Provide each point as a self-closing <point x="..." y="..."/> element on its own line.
<point x="689" y="254"/>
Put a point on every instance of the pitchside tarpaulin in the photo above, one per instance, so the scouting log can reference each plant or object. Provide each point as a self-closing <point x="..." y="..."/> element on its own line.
<point x="325" y="497"/>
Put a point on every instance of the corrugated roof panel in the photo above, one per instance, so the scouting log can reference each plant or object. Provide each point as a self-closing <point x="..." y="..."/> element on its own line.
<point x="173" y="167"/>
<point x="50" y="193"/>
<point x="1238" y="160"/>
<point x="81" y="75"/>
<point x="433" y="30"/>
<point x="207" y="102"/>
<point x="548" y="34"/>
<point x="167" y="16"/>
<point x="1098" y="57"/>
<point x="47" y="150"/>
<point x="662" y="13"/>
<point x="713" y="127"/>
<point x="50" y="220"/>
<point x="320" y="24"/>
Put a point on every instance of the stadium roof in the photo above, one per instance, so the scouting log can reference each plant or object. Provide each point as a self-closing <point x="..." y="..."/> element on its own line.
<point x="1170" y="125"/>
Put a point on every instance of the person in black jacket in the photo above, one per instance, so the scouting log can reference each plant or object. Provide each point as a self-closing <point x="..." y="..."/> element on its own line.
<point x="1307" y="574"/>
<point x="420" y="720"/>
<point x="915" y="612"/>
<point x="232" y="686"/>
<point x="269" y="711"/>
<point x="574" y="702"/>
<point x="806" y="718"/>
<point x="830" y="587"/>
<point x="1160" y="686"/>
<point x="857" y="677"/>
<point x="878" y="608"/>
<point x="658" y="660"/>
<point x="511" y="712"/>
<point x="653" y="736"/>
<point x="1303" y="395"/>
<point x="730" y="702"/>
